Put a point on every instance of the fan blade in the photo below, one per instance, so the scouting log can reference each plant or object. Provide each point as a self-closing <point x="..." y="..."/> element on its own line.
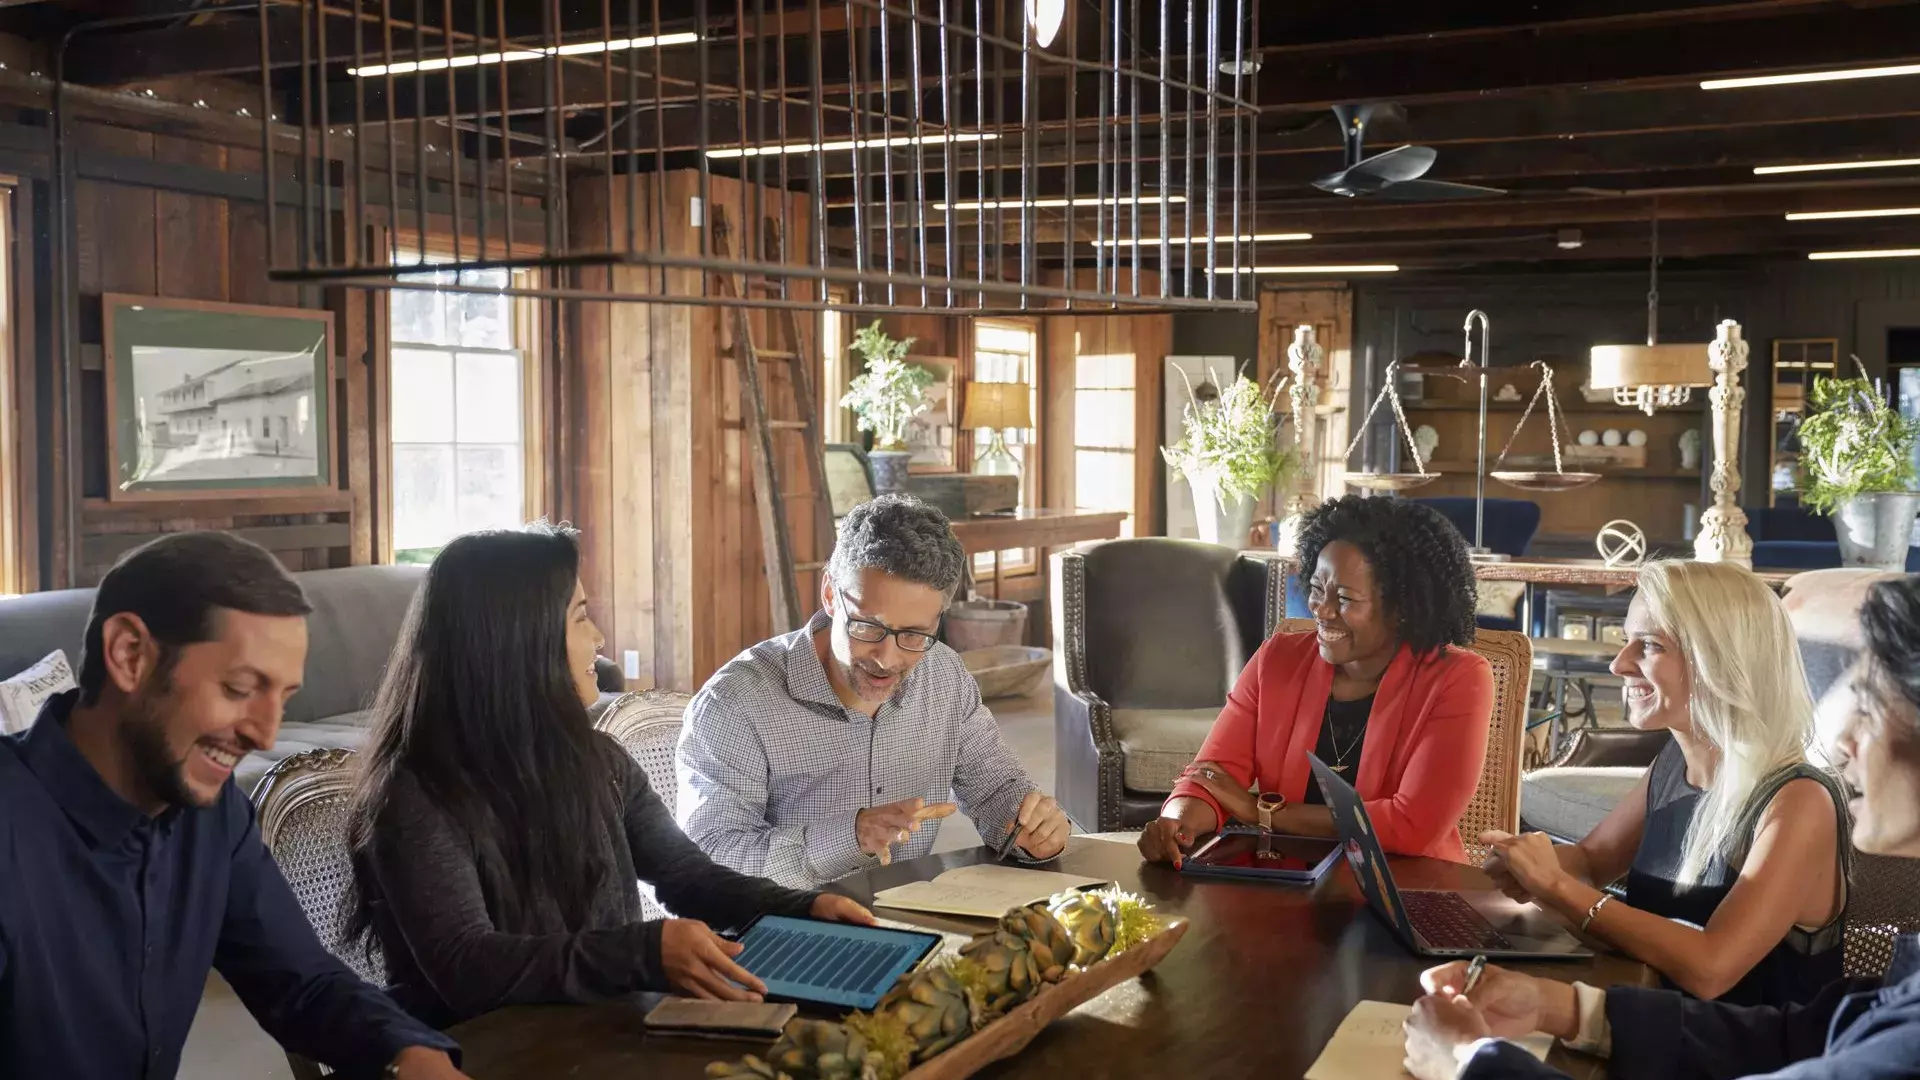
<point x="1396" y="166"/>
<point x="1434" y="191"/>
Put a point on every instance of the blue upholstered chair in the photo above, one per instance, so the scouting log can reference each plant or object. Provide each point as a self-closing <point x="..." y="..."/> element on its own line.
<point x="1795" y="538"/>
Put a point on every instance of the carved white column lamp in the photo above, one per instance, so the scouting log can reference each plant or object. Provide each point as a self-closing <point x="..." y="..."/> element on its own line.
<point x="1304" y="357"/>
<point x="1723" y="528"/>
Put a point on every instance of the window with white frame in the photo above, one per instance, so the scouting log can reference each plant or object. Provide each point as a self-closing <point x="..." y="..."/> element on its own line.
<point x="1104" y="442"/>
<point x="834" y="375"/>
<point x="1009" y="353"/>
<point x="458" y="416"/>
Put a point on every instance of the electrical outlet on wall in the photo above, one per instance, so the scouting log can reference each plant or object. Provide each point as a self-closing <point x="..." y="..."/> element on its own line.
<point x="630" y="660"/>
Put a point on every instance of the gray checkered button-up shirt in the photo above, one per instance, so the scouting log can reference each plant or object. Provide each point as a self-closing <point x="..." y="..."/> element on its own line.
<point x="773" y="767"/>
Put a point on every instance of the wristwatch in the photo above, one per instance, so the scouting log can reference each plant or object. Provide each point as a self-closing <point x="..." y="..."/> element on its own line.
<point x="1269" y="804"/>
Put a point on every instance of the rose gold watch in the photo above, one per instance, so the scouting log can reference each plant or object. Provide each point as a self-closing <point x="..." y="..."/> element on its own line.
<point x="1269" y="803"/>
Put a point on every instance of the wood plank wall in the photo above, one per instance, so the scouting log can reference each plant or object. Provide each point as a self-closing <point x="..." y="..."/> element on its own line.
<point x="135" y="239"/>
<point x="662" y="484"/>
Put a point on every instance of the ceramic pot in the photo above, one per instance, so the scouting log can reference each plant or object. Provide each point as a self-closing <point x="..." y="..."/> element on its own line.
<point x="1874" y="529"/>
<point x="889" y="470"/>
<point x="1221" y="521"/>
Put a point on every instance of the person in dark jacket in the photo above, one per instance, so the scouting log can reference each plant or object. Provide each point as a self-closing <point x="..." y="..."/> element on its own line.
<point x="1854" y="1030"/>
<point x="497" y="837"/>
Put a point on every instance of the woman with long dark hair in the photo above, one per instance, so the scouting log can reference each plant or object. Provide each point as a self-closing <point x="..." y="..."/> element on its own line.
<point x="497" y="837"/>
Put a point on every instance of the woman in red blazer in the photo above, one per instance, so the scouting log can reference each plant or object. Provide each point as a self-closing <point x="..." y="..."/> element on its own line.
<point x="1383" y="690"/>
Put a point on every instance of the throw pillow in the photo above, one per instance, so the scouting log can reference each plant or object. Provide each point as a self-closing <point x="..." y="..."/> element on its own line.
<point x="22" y="695"/>
<point x="1499" y="599"/>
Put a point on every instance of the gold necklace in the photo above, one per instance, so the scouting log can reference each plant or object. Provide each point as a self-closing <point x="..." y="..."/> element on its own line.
<point x="1340" y="756"/>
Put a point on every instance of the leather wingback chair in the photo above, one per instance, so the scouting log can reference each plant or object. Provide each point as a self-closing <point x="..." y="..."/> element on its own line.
<point x="1149" y="635"/>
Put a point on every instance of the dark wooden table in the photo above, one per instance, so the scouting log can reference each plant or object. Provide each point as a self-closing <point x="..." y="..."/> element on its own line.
<point x="1257" y="987"/>
<point x="1038" y="529"/>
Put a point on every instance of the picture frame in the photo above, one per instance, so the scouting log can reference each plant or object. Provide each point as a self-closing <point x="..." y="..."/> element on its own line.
<point x="933" y="436"/>
<point x="209" y="400"/>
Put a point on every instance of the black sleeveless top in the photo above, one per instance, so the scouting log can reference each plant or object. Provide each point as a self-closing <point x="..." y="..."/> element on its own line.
<point x="1797" y="968"/>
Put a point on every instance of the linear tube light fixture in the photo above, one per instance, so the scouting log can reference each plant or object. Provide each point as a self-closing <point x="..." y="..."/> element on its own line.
<point x="1824" y="166"/>
<point x="850" y="144"/>
<point x="580" y="48"/>
<point x="1354" y="268"/>
<point x="1836" y="215"/>
<point x="1056" y="202"/>
<point x="1810" y="77"/>
<point x="1872" y="253"/>
<point x="1264" y="238"/>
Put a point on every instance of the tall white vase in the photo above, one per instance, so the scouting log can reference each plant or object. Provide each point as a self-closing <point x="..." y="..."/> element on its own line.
<point x="1222" y="521"/>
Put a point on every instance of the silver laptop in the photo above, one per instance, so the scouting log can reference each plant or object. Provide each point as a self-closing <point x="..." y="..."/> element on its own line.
<point x="1436" y="922"/>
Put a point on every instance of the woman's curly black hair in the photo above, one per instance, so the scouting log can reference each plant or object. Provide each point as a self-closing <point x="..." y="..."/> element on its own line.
<point x="1419" y="560"/>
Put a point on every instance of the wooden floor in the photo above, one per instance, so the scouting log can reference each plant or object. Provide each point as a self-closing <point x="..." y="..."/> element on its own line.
<point x="227" y="1045"/>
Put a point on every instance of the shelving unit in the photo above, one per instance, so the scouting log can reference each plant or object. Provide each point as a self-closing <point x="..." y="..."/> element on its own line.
<point x="1653" y="497"/>
<point x="1796" y="363"/>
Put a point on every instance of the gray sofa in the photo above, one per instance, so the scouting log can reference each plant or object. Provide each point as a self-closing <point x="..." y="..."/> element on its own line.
<point x="356" y="618"/>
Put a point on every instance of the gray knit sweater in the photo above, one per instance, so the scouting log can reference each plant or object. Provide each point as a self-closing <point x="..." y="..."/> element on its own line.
<point x="442" y="908"/>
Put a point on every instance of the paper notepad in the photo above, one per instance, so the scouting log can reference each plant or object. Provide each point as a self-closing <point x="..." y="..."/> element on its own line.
<point x="1370" y="1044"/>
<point x="985" y="891"/>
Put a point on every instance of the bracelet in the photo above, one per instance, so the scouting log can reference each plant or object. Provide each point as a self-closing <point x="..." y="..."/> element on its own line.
<point x="1595" y="910"/>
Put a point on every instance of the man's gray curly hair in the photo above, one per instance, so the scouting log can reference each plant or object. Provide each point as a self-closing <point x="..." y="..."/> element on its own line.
<point x="901" y="536"/>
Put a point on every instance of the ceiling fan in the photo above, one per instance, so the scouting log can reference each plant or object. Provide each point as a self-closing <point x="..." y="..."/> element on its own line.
<point x="1395" y="174"/>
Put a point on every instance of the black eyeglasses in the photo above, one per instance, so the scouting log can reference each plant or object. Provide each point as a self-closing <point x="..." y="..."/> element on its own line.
<point x="873" y="633"/>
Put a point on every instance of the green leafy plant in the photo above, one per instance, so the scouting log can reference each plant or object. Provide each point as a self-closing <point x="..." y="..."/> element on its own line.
<point x="890" y="392"/>
<point x="1231" y="443"/>
<point x="1853" y="443"/>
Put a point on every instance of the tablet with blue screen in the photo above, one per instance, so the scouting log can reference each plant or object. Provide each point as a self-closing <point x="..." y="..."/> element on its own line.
<point x="827" y="963"/>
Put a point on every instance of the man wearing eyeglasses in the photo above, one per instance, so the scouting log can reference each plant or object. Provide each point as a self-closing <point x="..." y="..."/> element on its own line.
<point x="841" y="746"/>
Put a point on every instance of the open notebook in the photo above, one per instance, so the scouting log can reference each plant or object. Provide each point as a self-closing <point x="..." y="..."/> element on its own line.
<point x="984" y="891"/>
<point x="1370" y="1045"/>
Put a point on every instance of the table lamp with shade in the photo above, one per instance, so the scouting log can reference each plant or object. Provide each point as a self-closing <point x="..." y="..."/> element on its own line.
<point x="997" y="406"/>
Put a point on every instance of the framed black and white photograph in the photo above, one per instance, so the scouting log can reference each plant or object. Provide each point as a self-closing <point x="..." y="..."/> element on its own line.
<point x="208" y="400"/>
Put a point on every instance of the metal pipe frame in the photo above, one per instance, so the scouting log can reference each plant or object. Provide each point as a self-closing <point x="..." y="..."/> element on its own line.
<point x="1158" y="136"/>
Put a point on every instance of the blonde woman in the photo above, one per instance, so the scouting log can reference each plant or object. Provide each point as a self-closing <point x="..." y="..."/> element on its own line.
<point x="1734" y="847"/>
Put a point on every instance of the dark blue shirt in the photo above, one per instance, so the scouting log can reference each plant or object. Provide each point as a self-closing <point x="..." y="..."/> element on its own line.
<point x="1856" y="1029"/>
<point x="110" y="920"/>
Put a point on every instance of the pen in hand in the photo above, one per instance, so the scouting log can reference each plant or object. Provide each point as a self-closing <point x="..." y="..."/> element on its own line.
<point x="1474" y="970"/>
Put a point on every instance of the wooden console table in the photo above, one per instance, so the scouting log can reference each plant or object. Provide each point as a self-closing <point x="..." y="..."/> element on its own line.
<point x="1041" y="529"/>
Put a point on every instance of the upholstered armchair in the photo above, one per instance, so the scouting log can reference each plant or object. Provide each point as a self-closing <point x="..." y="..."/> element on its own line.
<point x="1149" y="635"/>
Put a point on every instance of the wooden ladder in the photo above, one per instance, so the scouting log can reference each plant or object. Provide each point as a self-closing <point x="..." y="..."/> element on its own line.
<point x="769" y="487"/>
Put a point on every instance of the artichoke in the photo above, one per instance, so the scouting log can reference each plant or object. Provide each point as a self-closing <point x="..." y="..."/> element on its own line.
<point x="1052" y="946"/>
<point x="934" y="1007"/>
<point x="1089" y="922"/>
<point x="1002" y="969"/>
<point x="818" y="1050"/>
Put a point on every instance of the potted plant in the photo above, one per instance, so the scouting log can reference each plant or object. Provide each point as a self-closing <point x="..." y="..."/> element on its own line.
<point x="1856" y="453"/>
<point x="886" y="396"/>
<point x="1230" y="457"/>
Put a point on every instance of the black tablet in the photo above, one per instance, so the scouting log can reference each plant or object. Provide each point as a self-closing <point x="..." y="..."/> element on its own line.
<point x="829" y="963"/>
<point x="1262" y="856"/>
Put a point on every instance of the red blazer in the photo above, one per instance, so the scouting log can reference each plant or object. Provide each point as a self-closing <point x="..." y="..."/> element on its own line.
<point x="1419" y="762"/>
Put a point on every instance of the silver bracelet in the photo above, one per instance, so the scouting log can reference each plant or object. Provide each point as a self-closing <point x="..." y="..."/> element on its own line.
<point x="1595" y="910"/>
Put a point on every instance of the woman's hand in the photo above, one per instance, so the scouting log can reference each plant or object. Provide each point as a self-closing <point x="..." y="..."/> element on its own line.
<point x="1525" y="867"/>
<point x="699" y="963"/>
<point x="836" y="908"/>
<point x="1233" y="796"/>
<point x="1439" y="1031"/>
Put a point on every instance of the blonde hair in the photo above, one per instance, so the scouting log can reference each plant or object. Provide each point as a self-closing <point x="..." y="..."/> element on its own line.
<point x="1748" y="694"/>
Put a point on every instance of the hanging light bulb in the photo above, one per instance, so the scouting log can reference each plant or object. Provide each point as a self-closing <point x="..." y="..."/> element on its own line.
<point x="1045" y="17"/>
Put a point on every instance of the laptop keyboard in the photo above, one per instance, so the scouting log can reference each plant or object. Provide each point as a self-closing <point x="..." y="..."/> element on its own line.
<point x="822" y="961"/>
<point x="1446" y="921"/>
